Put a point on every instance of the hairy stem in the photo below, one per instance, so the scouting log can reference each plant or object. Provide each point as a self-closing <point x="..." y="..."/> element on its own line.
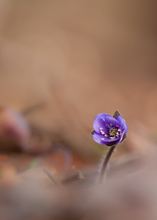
<point x="105" y="161"/>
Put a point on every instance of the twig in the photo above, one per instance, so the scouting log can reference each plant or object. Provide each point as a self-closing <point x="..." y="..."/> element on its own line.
<point x="50" y="176"/>
<point x="32" y="108"/>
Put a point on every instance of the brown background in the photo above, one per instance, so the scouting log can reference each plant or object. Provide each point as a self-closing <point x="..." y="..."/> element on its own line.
<point x="80" y="58"/>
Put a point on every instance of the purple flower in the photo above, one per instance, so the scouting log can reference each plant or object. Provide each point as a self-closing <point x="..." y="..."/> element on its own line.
<point x="109" y="130"/>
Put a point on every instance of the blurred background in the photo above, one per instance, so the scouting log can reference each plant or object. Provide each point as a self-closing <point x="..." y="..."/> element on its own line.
<point x="79" y="58"/>
<point x="63" y="62"/>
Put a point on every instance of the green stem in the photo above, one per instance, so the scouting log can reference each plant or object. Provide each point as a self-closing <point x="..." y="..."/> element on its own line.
<point x="105" y="161"/>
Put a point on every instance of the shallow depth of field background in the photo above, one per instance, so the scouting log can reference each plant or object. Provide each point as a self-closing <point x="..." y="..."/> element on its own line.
<point x="79" y="58"/>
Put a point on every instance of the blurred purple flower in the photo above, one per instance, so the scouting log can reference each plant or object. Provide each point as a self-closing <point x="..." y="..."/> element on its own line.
<point x="109" y="130"/>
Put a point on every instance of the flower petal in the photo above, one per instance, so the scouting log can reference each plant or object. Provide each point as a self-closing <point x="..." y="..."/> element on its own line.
<point x="123" y="136"/>
<point x="100" y="139"/>
<point x="102" y="121"/>
<point x="122" y="123"/>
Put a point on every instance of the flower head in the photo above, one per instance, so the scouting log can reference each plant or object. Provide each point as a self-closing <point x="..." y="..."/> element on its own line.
<point x="109" y="130"/>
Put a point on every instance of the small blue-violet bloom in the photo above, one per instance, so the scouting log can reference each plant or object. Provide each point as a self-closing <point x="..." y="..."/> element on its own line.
<point x="109" y="130"/>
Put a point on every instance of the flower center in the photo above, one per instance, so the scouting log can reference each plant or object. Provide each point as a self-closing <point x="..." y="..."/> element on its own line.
<point x="114" y="132"/>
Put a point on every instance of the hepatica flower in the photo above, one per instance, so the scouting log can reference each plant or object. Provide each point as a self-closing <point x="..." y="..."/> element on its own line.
<point x="109" y="130"/>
